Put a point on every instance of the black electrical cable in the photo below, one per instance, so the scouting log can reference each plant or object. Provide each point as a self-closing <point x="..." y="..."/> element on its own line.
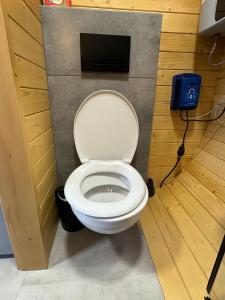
<point x="181" y="149"/>
<point x="180" y="152"/>
<point x="207" y="120"/>
<point x="187" y="126"/>
<point x="174" y="167"/>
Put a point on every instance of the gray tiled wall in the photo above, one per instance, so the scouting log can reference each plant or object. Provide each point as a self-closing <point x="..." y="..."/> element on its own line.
<point x="68" y="87"/>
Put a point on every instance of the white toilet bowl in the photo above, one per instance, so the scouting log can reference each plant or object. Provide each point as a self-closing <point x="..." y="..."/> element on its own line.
<point x="110" y="195"/>
<point x="105" y="193"/>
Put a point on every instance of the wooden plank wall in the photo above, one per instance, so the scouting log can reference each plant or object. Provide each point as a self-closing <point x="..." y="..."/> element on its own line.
<point x="24" y="31"/>
<point x="208" y="163"/>
<point x="17" y="195"/>
<point x="184" y="222"/>
<point x="181" y="50"/>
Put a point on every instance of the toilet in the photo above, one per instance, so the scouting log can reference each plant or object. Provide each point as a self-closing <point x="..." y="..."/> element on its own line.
<point x="106" y="193"/>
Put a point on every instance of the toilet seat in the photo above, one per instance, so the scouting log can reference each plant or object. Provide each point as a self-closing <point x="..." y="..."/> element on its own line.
<point x="105" y="193"/>
<point x="74" y="195"/>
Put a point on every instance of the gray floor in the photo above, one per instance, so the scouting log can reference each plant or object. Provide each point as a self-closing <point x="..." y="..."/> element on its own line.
<point x="87" y="265"/>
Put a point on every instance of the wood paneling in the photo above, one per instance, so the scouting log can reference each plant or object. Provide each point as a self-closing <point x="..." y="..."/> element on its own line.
<point x="49" y="226"/>
<point x="180" y="23"/>
<point x="178" y="214"/>
<point x="210" y="180"/>
<point x="24" y="35"/>
<point x="25" y="46"/>
<point x="174" y="239"/>
<point x="160" y="171"/>
<point x="188" y="6"/>
<point x="18" y="195"/>
<point x="170" y="148"/>
<point x="190" y="43"/>
<point x="166" y="161"/>
<point x="216" y="132"/>
<point x="37" y="124"/>
<point x="125" y="4"/>
<point x="183" y="61"/>
<point x="29" y="75"/>
<point x="164" y="77"/>
<point x="42" y="166"/>
<point x="221" y="87"/>
<point x="46" y="183"/>
<point x="169" y="275"/>
<point x="22" y="14"/>
<point x="214" y="147"/>
<point x="163" y="109"/>
<point x="33" y="101"/>
<point x="174" y="123"/>
<point x="198" y="214"/>
<point x="40" y="145"/>
<point x="171" y="136"/>
<point x="210" y="202"/>
<point x="214" y="164"/>
<point x="47" y="201"/>
<point x="34" y="5"/>
<point x="188" y="216"/>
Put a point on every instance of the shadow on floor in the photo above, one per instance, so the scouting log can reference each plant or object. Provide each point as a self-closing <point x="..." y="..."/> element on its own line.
<point x="88" y="252"/>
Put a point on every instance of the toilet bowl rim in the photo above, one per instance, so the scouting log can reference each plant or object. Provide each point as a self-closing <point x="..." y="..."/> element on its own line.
<point x="77" y="200"/>
<point x="130" y="214"/>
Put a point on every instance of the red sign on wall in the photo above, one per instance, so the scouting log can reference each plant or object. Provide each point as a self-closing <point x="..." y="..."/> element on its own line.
<point x="64" y="3"/>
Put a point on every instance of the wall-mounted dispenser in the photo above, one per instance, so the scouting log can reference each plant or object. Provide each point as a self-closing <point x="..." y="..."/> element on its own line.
<point x="185" y="91"/>
<point x="104" y="52"/>
<point x="212" y="17"/>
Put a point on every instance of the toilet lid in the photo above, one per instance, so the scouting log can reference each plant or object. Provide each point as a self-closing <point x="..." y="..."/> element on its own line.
<point x="106" y="128"/>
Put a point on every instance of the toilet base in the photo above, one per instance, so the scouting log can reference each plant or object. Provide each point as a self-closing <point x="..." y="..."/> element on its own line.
<point x="112" y="225"/>
<point x="111" y="228"/>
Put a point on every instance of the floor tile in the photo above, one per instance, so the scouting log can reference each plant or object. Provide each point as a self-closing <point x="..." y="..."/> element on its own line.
<point x="86" y="265"/>
<point x="132" y="286"/>
<point x="10" y="279"/>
